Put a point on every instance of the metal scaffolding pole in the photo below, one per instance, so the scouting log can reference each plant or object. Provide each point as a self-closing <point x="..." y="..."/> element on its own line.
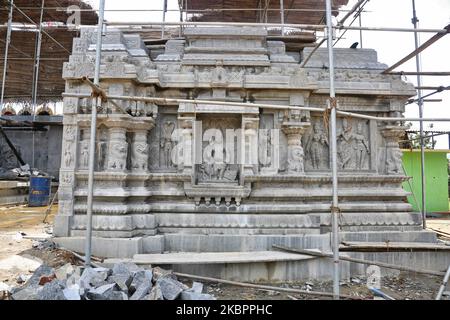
<point x="246" y="104"/>
<point x="95" y="102"/>
<point x="420" y="104"/>
<point x="360" y="24"/>
<point x="164" y="19"/>
<point x="282" y="16"/>
<point x="37" y="65"/>
<point x="8" y="41"/>
<point x="333" y="147"/>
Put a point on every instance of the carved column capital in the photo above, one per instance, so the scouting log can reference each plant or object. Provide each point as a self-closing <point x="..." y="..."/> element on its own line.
<point x="294" y="132"/>
<point x="393" y="159"/>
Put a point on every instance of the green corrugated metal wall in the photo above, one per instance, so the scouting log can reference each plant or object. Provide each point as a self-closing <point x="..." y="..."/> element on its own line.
<point x="436" y="182"/>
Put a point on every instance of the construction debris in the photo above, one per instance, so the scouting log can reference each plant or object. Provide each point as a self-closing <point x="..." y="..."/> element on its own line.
<point x="125" y="281"/>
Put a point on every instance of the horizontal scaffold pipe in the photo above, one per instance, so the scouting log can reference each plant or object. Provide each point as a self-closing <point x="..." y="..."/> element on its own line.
<point x="252" y="105"/>
<point x="286" y="25"/>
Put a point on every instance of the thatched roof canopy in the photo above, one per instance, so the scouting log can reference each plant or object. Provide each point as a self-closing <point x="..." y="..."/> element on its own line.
<point x="313" y="14"/>
<point x="19" y="80"/>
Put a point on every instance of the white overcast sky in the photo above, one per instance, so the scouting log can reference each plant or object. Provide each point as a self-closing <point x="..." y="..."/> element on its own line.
<point x="391" y="46"/>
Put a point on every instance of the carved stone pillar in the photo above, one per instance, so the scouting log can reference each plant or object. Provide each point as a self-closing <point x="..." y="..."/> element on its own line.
<point x="249" y="146"/>
<point x="139" y="146"/>
<point x="185" y="146"/>
<point x="118" y="146"/>
<point x="393" y="155"/>
<point x="295" y="158"/>
<point x="63" y="219"/>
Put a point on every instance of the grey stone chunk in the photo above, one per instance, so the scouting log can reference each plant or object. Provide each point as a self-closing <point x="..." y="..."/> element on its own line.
<point x="71" y="294"/>
<point x="42" y="271"/>
<point x="142" y="290"/>
<point x="123" y="281"/>
<point x="104" y="292"/>
<point x="64" y="272"/>
<point x="28" y="293"/>
<point x="128" y="268"/>
<point x="52" y="291"/>
<point x="141" y="277"/>
<point x="170" y="288"/>
<point x="92" y="278"/>
<point x="4" y="287"/>
<point x="155" y="294"/>
<point x="159" y="273"/>
<point x="189" y="295"/>
<point x="197" y="287"/>
<point x="73" y="280"/>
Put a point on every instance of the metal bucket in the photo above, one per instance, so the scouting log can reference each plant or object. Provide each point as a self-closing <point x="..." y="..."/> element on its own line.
<point x="40" y="189"/>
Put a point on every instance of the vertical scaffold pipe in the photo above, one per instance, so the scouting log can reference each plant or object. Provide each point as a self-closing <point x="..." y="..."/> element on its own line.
<point x="333" y="146"/>
<point x="8" y="41"/>
<point x="420" y="104"/>
<point x="96" y="101"/>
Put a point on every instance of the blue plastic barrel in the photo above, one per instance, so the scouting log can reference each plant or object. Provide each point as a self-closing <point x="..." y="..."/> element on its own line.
<point x="40" y="188"/>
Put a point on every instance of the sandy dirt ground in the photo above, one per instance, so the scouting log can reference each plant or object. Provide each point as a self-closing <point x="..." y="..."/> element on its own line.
<point x="15" y="258"/>
<point x="18" y="257"/>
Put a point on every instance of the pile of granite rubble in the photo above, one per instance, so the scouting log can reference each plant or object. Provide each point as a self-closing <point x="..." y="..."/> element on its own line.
<point x="124" y="281"/>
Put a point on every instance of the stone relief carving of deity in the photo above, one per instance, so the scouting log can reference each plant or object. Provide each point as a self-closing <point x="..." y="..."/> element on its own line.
<point x="316" y="145"/>
<point x="353" y="148"/>
<point x="361" y="147"/>
<point x="394" y="161"/>
<point x="295" y="159"/>
<point x="84" y="154"/>
<point x="265" y="148"/>
<point x="118" y="156"/>
<point x="102" y="146"/>
<point x="68" y="157"/>
<point x="345" y="148"/>
<point x="139" y="156"/>
<point x="217" y="166"/>
<point x="167" y="143"/>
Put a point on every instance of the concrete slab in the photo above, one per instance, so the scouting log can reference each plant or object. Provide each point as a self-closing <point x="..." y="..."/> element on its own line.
<point x="217" y="257"/>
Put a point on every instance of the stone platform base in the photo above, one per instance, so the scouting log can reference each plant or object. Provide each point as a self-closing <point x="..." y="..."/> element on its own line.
<point x="13" y="193"/>
<point x="277" y="270"/>
<point x="114" y="247"/>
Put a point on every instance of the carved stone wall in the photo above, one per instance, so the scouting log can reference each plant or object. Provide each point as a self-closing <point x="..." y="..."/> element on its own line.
<point x="159" y="171"/>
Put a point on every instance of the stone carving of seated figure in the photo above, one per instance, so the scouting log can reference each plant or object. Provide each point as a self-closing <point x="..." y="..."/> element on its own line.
<point x="217" y="167"/>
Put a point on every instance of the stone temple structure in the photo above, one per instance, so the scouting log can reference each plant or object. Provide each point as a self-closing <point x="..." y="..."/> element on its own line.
<point x="151" y="196"/>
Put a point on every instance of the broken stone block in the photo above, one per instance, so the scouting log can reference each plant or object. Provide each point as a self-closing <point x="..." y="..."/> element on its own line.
<point x="170" y="288"/>
<point x="159" y="273"/>
<point x="93" y="278"/>
<point x="52" y="291"/>
<point x="190" y="295"/>
<point x="42" y="271"/>
<point x="72" y="293"/>
<point x="127" y="268"/>
<point x="28" y="293"/>
<point x="155" y="294"/>
<point x="197" y="287"/>
<point x="142" y="290"/>
<point x="64" y="272"/>
<point x="104" y="292"/>
<point x="141" y="277"/>
<point x="123" y="281"/>
<point x="73" y="280"/>
<point x="4" y="287"/>
<point x="23" y="278"/>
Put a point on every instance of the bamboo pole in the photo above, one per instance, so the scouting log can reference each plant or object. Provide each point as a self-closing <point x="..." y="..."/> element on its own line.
<point x="360" y="261"/>
<point x="259" y="286"/>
